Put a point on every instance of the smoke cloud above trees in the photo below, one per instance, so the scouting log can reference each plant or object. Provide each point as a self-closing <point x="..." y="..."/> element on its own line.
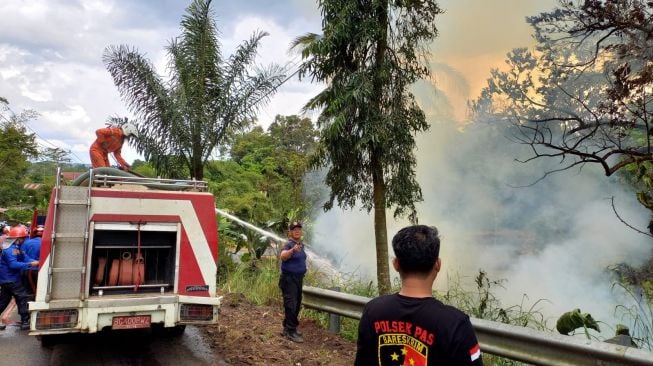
<point x="553" y="240"/>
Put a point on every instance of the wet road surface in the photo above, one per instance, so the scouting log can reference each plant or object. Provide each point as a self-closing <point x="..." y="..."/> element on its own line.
<point x="141" y="347"/>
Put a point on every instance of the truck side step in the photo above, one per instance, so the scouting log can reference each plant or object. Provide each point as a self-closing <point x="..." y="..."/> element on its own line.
<point x="77" y="270"/>
<point x="73" y="202"/>
<point x="80" y="236"/>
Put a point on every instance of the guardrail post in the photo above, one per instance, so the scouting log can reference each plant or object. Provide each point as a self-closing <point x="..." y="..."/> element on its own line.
<point x="334" y="319"/>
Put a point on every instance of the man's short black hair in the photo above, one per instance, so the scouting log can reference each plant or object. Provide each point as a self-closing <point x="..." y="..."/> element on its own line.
<point x="417" y="248"/>
<point x="294" y="224"/>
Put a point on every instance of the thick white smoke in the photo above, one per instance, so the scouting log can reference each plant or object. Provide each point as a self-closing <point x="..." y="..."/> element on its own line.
<point x="553" y="240"/>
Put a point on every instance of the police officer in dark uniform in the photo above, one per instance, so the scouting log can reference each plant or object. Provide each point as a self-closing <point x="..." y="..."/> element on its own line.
<point x="293" y="269"/>
<point x="12" y="264"/>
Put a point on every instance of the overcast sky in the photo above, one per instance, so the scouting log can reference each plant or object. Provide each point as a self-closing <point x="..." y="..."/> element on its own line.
<point x="50" y="53"/>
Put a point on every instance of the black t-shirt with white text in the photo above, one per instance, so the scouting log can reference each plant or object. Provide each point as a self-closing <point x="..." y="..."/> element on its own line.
<point x="400" y="330"/>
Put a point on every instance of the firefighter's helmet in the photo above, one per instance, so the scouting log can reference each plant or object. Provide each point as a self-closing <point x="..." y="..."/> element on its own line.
<point x="18" y="231"/>
<point x="129" y="129"/>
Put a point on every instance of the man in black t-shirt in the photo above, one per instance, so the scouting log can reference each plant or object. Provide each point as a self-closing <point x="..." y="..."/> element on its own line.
<point x="411" y="327"/>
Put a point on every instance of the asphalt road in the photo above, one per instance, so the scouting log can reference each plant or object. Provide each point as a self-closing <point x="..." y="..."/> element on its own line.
<point x="113" y="348"/>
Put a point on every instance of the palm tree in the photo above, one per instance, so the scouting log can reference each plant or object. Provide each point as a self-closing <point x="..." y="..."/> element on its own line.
<point x="181" y="120"/>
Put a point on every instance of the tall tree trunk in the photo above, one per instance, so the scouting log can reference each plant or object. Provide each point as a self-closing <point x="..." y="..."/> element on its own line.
<point x="380" y="230"/>
<point x="197" y="170"/>
<point x="380" y="225"/>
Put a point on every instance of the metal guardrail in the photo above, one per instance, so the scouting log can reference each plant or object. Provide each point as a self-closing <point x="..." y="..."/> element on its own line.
<point x="509" y="341"/>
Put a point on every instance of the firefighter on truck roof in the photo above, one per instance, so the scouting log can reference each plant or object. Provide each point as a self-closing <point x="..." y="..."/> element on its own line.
<point x="110" y="140"/>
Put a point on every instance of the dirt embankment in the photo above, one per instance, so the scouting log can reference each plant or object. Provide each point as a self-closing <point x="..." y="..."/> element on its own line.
<point x="251" y="335"/>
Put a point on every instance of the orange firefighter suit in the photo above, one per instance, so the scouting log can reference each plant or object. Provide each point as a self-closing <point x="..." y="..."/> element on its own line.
<point x="109" y="140"/>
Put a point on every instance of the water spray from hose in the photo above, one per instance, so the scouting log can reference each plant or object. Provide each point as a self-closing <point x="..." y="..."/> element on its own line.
<point x="321" y="263"/>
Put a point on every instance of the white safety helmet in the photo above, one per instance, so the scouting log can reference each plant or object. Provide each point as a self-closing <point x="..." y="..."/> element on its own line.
<point x="129" y="129"/>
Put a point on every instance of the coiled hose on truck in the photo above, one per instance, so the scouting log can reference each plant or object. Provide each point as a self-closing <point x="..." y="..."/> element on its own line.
<point x="121" y="173"/>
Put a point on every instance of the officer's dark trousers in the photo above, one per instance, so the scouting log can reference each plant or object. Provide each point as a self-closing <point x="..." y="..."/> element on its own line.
<point x="291" y="288"/>
<point x="20" y="294"/>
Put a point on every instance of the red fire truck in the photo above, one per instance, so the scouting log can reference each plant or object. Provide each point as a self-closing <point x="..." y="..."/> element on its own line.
<point x="124" y="252"/>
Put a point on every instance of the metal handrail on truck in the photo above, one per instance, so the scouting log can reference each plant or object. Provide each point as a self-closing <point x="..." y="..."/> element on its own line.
<point x="108" y="177"/>
<point x="100" y="180"/>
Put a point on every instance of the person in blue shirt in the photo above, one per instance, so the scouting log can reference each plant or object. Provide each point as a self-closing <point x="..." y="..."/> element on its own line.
<point x="293" y="269"/>
<point x="32" y="249"/>
<point x="12" y="264"/>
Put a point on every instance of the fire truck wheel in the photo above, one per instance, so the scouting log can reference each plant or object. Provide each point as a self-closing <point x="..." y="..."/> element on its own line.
<point x="48" y="340"/>
<point x="172" y="332"/>
<point x="177" y="331"/>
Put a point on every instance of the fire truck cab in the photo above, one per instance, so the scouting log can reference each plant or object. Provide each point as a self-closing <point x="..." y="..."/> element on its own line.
<point x="124" y="252"/>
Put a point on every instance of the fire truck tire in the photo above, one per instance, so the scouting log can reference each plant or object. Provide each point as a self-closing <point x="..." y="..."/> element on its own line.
<point x="49" y="340"/>
<point x="177" y="331"/>
<point x="172" y="332"/>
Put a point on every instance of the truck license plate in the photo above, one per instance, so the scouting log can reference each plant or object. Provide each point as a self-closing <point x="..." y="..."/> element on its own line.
<point x="131" y="322"/>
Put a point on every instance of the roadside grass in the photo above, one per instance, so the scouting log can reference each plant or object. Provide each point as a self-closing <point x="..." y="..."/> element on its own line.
<point x="637" y="311"/>
<point x="258" y="282"/>
<point x="482" y="303"/>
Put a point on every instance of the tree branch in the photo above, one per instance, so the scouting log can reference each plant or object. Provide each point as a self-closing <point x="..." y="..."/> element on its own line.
<point x="614" y="209"/>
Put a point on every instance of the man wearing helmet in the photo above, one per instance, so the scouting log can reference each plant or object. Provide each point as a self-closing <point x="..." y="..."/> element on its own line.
<point x="32" y="249"/>
<point x="110" y="140"/>
<point x="12" y="263"/>
<point x="32" y="246"/>
<point x="5" y="232"/>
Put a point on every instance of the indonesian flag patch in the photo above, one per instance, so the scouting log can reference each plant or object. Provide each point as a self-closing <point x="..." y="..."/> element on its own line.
<point x="475" y="352"/>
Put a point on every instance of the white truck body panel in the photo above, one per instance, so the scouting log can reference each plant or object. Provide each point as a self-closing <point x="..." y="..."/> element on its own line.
<point x="178" y="231"/>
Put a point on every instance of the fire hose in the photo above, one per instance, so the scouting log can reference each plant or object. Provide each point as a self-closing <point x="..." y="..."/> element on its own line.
<point x="127" y="174"/>
<point x="126" y="270"/>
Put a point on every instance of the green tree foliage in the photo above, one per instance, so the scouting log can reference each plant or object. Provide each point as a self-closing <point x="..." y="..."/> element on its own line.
<point x="263" y="179"/>
<point x="182" y="121"/>
<point x="585" y="94"/>
<point x="44" y="172"/>
<point x="49" y="159"/>
<point x="239" y="189"/>
<point x="143" y="168"/>
<point x="15" y="216"/>
<point x="294" y="139"/>
<point x="38" y="171"/>
<point x="40" y="197"/>
<point x="56" y="155"/>
<point x="279" y="158"/>
<point x="369" y="54"/>
<point x="17" y="146"/>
